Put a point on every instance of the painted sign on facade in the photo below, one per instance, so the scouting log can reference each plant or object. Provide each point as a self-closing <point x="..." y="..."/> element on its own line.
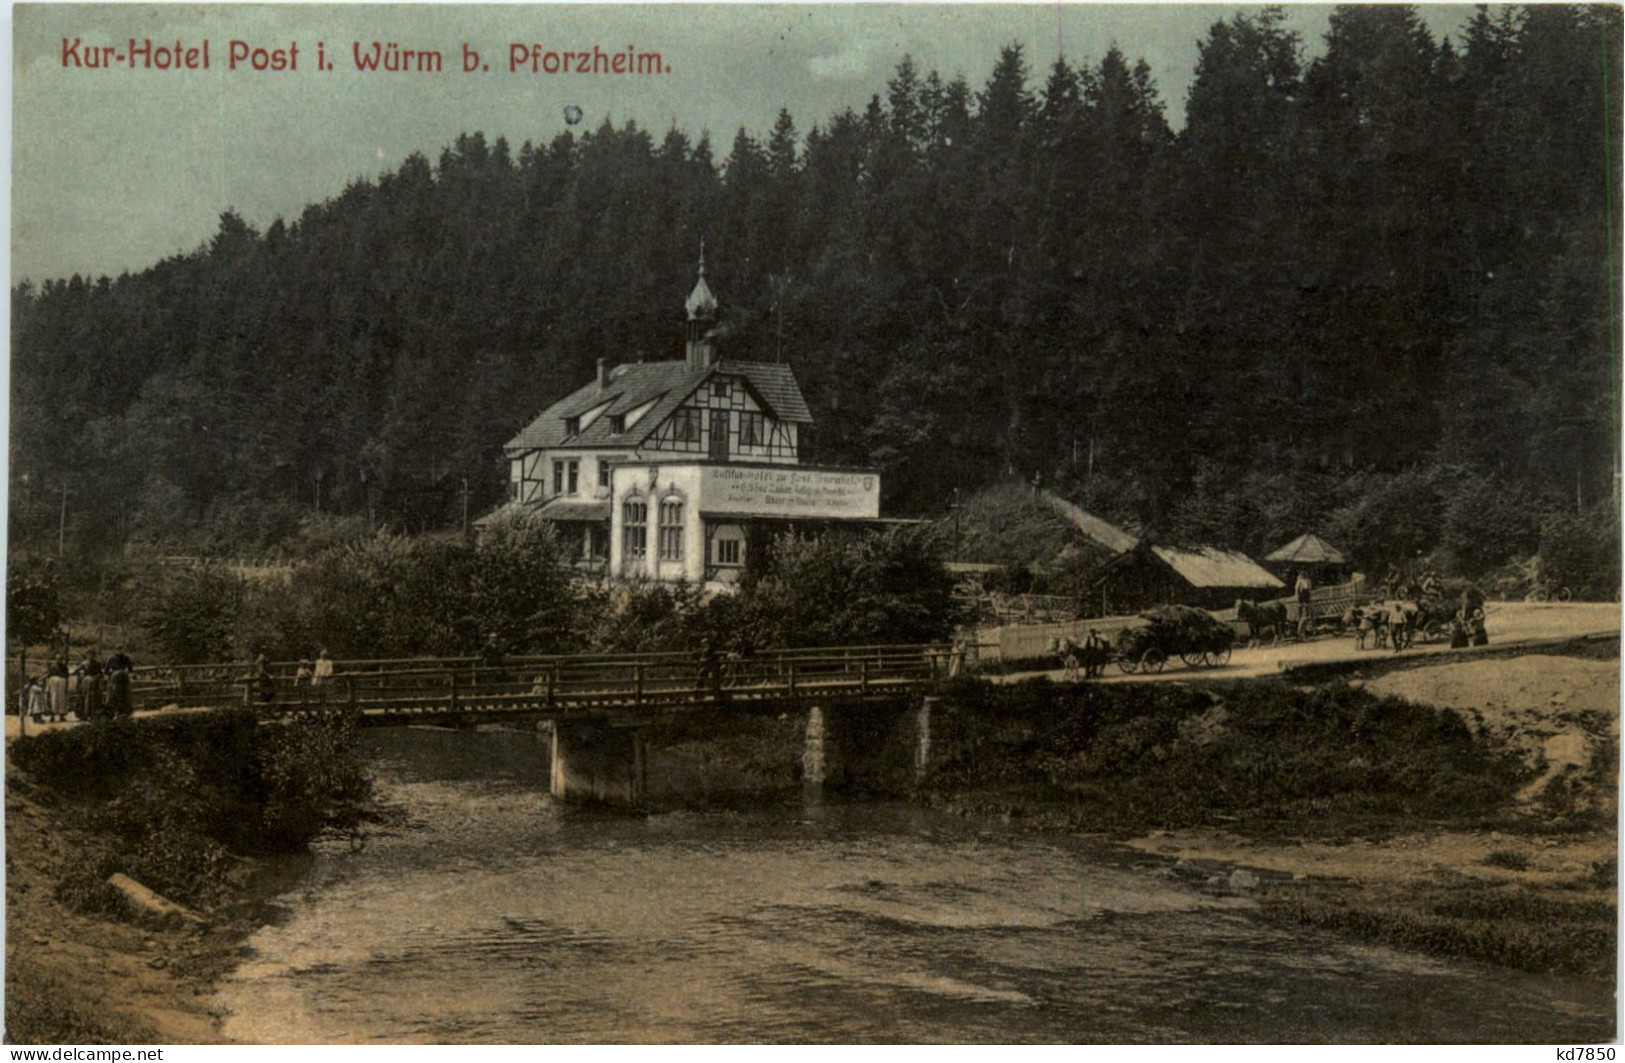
<point x="790" y="492"/>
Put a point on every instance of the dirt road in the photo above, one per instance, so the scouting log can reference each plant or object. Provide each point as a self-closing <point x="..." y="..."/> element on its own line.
<point x="1509" y="623"/>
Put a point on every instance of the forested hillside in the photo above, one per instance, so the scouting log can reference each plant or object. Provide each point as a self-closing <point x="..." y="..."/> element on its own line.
<point x="1374" y="289"/>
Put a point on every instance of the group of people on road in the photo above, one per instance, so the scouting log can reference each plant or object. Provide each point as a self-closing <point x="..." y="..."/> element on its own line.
<point x="1467" y="628"/>
<point x="93" y="689"/>
<point x="1086" y="659"/>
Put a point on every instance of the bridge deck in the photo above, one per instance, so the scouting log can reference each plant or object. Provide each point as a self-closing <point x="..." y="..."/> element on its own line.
<point x="631" y="684"/>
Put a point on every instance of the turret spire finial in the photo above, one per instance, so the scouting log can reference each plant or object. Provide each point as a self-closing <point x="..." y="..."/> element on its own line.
<point x="701" y="303"/>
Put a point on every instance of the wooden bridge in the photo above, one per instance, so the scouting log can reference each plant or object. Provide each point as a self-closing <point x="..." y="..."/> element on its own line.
<point x="627" y="686"/>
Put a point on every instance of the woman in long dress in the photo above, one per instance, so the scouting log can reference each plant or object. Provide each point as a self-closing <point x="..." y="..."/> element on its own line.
<point x="90" y="688"/>
<point x="56" y="690"/>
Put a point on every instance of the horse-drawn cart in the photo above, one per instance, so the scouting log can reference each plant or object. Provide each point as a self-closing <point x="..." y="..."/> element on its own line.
<point x="1192" y="635"/>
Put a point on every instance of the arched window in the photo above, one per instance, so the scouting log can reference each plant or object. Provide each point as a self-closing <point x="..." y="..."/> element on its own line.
<point x="635" y="531"/>
<point x="671" y="529"/>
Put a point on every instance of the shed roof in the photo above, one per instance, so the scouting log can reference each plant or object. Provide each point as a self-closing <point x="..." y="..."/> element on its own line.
<point x="1209" y="566"/>
<point x="1102" y="533"/>
<point x="668" y="382"/>
<point x="1308" y="549"/>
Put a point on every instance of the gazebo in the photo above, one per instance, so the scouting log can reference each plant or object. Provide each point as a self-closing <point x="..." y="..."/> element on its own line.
<point x="1312" y="553"/>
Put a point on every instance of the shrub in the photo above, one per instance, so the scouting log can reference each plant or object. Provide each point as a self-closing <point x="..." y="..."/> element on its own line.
<point x="888" y="587"/>
<point x="177" y="800"/>
<point x="191" y="614"/>
<point x="1507" y="858"/>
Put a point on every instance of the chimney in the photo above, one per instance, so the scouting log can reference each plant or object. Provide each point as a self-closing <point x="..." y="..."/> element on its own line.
<point x="603" y="380"/>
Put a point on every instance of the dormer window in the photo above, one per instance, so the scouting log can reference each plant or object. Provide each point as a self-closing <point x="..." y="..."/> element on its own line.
<point x="572" y="426"/>
<point x="617" y="423"/>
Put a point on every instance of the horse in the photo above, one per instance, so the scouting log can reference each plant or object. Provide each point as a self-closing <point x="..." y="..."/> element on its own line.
<point x="1363" y="620"/>
<point x="1271" y="617"/>
<point x="1071" y="654"/>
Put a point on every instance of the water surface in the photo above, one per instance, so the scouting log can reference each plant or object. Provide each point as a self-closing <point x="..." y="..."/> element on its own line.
<point x="498" y="916"/>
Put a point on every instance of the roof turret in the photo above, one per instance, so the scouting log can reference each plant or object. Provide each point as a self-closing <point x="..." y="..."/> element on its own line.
<point x="701" y="304"/>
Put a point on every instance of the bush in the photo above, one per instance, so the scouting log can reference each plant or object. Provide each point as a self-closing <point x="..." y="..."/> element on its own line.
<point x="191" y="614"/>
<point x="1507" y="858"/>
<point x="391" y="595"/>
<point x="1164" y="756"/>
<point x="1581" y="551"/>
<point x="177" y="801"/>
<point x="888" y="587"/>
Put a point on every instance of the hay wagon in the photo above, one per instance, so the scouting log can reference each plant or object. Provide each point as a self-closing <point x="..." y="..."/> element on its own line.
<point x="1192" y="635"/>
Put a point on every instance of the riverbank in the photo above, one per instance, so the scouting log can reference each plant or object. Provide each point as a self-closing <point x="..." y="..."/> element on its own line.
<point x="199" y="811"/>
<point x="1462" y="808"/>
<point x="96" y="979"/>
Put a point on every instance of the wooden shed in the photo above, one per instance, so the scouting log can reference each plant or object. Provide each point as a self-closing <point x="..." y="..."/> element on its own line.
<point x="1207" y="577"/>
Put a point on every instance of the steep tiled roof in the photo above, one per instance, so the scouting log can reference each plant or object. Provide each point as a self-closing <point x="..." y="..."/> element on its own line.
<point x="778" y="388"/>
<point x="636" y="383"/>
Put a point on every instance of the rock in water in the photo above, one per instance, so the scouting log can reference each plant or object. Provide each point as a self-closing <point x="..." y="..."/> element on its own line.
<point x="1242" y="879"/>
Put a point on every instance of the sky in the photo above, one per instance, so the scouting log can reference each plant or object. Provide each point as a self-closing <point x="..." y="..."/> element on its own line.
<point x="115" y="168"/>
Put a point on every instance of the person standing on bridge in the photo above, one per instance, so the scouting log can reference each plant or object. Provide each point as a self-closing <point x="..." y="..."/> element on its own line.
<point x="90" y="687"/>
<point x="118" y="668"/>
<point x="264" y="682"/>
<point x="56" y="689"/>
<point x="321" y="678"/>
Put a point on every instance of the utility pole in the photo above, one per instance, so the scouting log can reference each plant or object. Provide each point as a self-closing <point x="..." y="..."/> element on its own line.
<point x="62" y="522"/>
<point x="956" y="524"/>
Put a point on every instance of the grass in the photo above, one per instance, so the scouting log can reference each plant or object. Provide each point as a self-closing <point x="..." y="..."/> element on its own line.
<point x="45" y="1011"/>
<point x="1279" y="763"/>
<point x="1508" y="859"/>
<point x="1505" y="925"/>
<point x="176" y="803"/>
<point x="1332" y="762"/>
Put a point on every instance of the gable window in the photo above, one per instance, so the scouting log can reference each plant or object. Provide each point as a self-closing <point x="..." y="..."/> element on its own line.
<point x="752" y="430"/>
<point x="685" y="425"/>
<point x="671" y="531"/>
<point x="635" y="517"/>
<point x="719" y="389"/>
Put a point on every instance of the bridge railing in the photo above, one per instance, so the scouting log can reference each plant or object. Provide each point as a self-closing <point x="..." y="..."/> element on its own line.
<point x="658" y="677"/>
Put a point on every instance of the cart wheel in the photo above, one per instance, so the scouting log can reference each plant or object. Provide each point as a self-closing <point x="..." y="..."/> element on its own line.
<point x="1193" y="658"/>
<point x="1128" y="664"/>
<point x="1153" y="660"/>
<point x="1219" y="658"/>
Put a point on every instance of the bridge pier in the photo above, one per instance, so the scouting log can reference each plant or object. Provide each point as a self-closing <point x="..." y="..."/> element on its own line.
<point x="814" y="750"/>
<point x="593" y="761"/>
<point x="867" y="743"/>
<point x="922" y="735"/>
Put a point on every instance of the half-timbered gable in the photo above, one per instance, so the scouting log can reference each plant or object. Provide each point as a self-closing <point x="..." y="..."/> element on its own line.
<point x="670" y="470"/>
